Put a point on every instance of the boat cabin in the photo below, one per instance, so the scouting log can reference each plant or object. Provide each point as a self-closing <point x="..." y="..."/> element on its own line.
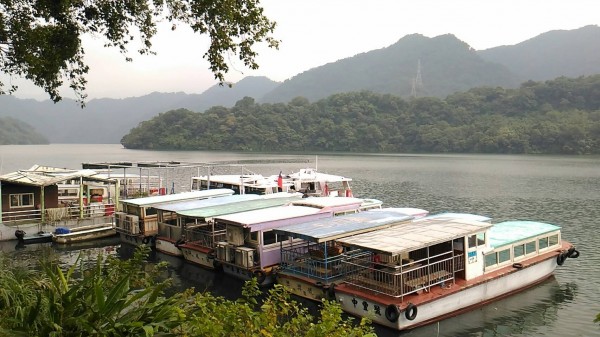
<point x="138" y="217"/>
<point x="241" y="184"/>
<point x="402" y="260"/>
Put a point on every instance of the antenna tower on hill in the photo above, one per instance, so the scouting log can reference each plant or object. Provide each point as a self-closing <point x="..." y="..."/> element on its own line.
<point x="417" y="82"/>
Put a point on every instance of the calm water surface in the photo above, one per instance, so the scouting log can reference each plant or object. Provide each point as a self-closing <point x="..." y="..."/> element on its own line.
<point x="563" y="190"/>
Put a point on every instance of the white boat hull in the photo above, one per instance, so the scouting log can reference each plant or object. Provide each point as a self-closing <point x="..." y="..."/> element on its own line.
<point x="87" y="234"/>
<point x="137" y="240"/>
<point x="306" y="288"/>
<point x="445" y="306"/>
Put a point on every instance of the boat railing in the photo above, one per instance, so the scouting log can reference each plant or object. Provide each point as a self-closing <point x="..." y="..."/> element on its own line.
<point x="58" y="216"/>
<point x="205" y="238"/>
<point x="310" y="261"/>
<point x="403" y="278"/>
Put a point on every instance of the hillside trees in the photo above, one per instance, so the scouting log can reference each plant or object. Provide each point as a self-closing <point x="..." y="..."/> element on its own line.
<point x="481" y="120"/>
<point x="41" y="40"/>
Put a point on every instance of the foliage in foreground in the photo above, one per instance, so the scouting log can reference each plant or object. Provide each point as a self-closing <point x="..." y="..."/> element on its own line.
<point x="111" y="297"/>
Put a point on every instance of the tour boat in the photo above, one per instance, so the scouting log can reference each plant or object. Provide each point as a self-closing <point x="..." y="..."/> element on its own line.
<point x="137" y="223"/>
<point x="308" y="181"/>
<point x="431" y="269"/>
<point x="310" y="269"/>
<point x="202" y="233"/>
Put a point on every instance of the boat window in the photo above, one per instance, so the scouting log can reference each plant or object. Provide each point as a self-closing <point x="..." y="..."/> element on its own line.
<point x="254" y="236"/>
<point x="472" y="241"/>
<point x="21" y="200"/>
<point x="151" y="211"/>
<point x="504" y="255"/>
<point x="553" y="240"/>
<point x="491" y="259"/>
<point x="543" y="243"/>
<point x="530" y="247"/>
<point x="269" y="237"/>
<point x="480" y="239"/>
<point x="519" y="250"/>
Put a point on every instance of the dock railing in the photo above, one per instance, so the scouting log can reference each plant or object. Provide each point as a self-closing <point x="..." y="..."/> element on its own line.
<point x="60" y="216"/>
<point x="404" y="278"/>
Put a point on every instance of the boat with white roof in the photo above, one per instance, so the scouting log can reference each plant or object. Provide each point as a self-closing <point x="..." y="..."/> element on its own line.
<point x="434" y="268"/>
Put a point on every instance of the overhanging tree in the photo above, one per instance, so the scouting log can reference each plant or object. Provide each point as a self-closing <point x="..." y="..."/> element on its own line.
<point x="41" y="39"/>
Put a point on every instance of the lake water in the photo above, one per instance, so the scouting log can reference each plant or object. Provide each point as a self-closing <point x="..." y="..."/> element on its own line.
<point x="563" y="190"/>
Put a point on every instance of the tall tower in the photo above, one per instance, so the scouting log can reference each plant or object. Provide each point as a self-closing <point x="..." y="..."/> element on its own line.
<point x="417" y="82"/>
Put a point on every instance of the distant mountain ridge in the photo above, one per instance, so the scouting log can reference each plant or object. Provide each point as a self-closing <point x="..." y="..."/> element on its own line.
<point x="448" y="65"/>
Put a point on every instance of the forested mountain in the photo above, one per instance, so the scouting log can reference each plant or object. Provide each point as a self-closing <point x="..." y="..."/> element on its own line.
<point x="16" y="132"/>
<point x="447" y="65"/>
<point x="569" y="53"/>
<point x="559" y="116"/>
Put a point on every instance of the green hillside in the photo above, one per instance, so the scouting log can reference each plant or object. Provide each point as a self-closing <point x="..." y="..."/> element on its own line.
<point x="559" y="116"/>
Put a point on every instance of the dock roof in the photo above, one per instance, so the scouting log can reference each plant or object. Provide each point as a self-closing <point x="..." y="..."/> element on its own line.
<point x="414" y="235"/>
<point x="328" y="229"/>
<point x="508" y="232"/>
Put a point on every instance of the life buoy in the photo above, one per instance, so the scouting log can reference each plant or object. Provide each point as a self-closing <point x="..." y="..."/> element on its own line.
<point x="517" y="265"/>
<point x="573" y="253"/>
<point x="561" y="258"/>
<point x="392" y="313"/>
<point x="410" y="312"/>
<point x="145" y="240"/>
<point x="260" y="276"/>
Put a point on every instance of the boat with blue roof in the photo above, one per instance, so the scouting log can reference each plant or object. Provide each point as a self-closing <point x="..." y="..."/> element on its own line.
<point x="434" y="268"/>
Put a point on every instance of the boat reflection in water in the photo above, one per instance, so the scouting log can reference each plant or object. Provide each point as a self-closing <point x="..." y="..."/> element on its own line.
<point x="519" y="315"/>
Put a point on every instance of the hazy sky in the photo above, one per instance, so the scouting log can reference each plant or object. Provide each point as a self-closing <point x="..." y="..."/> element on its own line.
<point x="316" y="32"/>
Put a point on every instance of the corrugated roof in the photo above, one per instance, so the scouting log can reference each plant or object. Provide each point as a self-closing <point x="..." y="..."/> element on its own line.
<point x="161" y="199"/>
<point x="508" y="232"/>
<point x="194" y="204"/>
<point x="242" y="206"/>
<point x="415" y="235"/>
<point x="468" y="216"/>
<point x="267" y="215"/>
<point x="344" y="225"/>
<point x="323" y="202"/>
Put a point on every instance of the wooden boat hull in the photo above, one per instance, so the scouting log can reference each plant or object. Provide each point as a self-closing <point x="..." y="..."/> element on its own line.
<point x="198" y="255"/>
<point x="137" y="240"/>
<point x="305" y="287"/>
<point x="442" y="302"/>
<point x="86" y="233"/>
<point x="168" y="246"/>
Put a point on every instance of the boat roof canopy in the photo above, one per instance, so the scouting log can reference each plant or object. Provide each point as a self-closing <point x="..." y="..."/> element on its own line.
<point x="159" y="199"/>
<point x="236" y="207"/>
<point x="415" y="235"/>
<point x="200" y="203"/>
<point x="328" y="229"/>
<point x="508" y="232"/>
<point x="324" y="202"/>
<point x="468" y="216"/>
<point x="258" y="216"/>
